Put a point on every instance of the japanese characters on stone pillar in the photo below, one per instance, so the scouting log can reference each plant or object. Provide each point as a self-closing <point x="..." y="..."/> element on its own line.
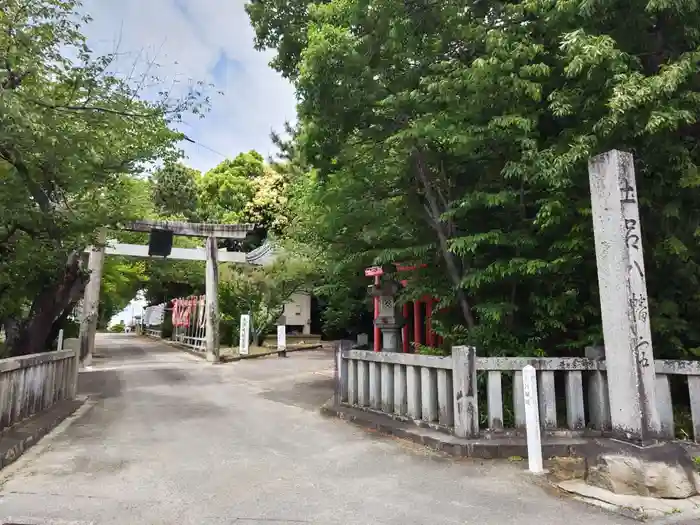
<point x="623" y="296"/>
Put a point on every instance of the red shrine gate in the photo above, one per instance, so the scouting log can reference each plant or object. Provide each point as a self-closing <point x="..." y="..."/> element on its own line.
<point x="422" y="323"/>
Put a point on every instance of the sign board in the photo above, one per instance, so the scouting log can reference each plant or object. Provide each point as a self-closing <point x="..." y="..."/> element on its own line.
<point x="281" y="337"/>
<point x="244" y="340"/>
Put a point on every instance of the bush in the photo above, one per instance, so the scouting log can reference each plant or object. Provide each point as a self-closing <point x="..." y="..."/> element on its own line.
<point x="71" y="329"/>
<point x="118" y="328"/>
<point x="167" y="326"/>
<point x="228" y="332"/>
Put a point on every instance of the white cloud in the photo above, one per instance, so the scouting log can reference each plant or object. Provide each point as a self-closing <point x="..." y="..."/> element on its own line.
<point x="208" y="40"/>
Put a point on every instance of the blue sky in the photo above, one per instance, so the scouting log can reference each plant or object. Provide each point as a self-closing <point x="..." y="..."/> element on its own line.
<point x="190" y="40"/>
<point x="208" y="40"/>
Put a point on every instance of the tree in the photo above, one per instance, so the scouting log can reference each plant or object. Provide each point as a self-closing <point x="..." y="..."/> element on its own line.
<point x="122" y="278"/>
<point x="225" y="190"/>
<point x="245" y="191"/>
<point x="263" y="291"/>
<point x="175" y="188"/>
<point x="281" y="27"/>
<point x="72" y="136"/>
<point x="457" y="134"/>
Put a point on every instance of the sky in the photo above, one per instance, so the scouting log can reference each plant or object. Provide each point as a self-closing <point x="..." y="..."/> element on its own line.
<point x="207" y="40"/>
<point x="192" y="40"/>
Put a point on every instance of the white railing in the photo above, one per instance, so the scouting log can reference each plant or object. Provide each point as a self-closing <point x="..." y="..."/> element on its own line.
<point x="33" y="383"/>
<point x="435" y="390"/>
<point x="442" y="391"/>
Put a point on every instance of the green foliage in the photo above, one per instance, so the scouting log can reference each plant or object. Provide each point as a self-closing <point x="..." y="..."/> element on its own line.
<point x="457" y="134"/>
<point x="175" y="190"/>
<point x="430" y="350"/>
<point x="122" y="278"/>
<point x="166" y="279"/>
<point x="71" y="328"/>
<point x="73" y="136"/>
<point x="118" y="328"/>
<point x="283" y="29"/>
<point x="225" y="190"/>
<point x="262" y="292"/>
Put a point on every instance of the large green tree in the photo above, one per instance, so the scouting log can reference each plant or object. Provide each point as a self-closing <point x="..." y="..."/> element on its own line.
<point x="226" y="189"/>
<point x="72" y="135"/>
<point x="245" y="190"/>
<point x="457" y="133"/>
<point x="175" y="190"/>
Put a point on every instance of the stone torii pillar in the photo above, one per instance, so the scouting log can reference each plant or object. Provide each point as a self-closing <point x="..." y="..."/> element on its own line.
<point x="211" y="310"/>
<point x="91" y="300"/>
<point x="624" y="307"/>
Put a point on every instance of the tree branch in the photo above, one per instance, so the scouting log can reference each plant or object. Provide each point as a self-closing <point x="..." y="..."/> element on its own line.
<point x="434" y="220"/>
<point x="97" y="109"/>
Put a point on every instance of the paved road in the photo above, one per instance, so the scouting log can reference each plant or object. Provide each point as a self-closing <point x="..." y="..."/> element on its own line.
<point x="173" y="440"/>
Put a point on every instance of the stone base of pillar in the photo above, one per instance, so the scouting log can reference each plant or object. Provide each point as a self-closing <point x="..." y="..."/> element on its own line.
<point x="391" y="340"/>
<point x="661" y="470"/>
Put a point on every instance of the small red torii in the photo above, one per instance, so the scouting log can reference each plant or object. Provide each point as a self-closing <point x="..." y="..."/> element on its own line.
<point x="431" y="338"/>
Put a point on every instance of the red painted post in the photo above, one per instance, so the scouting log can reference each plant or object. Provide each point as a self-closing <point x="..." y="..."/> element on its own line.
<point x="404" y="330"/>
<point x="429" y="322"/>
<point x="416" y="322"/>
<point x="377" y="332"/>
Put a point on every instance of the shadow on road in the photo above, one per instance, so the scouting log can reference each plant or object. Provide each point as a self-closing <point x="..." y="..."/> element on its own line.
<point x="309" y="394"/>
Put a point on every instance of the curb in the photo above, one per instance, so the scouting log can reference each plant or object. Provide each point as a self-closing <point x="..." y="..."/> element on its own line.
<point x="17" y="439"/>
<point x="233" y="359"/>
<point x="271" y="352"/>
<point x="492" y="448"/>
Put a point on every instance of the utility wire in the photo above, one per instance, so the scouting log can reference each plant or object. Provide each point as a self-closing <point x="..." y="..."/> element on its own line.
<point x="188" y="139"/>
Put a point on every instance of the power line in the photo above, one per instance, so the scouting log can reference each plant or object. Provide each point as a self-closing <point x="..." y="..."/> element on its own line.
<point x="188" y="139"/>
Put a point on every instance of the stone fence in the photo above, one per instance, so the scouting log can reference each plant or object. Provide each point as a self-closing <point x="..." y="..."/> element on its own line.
<point x="32" y="383"/>
<point x="442" y="392"/>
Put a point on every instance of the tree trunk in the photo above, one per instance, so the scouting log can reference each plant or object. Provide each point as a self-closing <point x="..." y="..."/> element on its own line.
<point x="58" y="324"/>
<point x="434" y="215"/>
<point x="33" y="334"/>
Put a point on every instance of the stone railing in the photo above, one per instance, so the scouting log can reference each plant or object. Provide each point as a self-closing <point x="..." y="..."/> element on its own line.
<point x="575" y="372"/>
<point x="441" y="392"/>
<point x="438" y="391"/>
<point x="664" y="404"/>
<point x="32" y="383"/>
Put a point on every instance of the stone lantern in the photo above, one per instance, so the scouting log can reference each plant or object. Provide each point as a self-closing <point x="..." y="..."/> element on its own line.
<point x="390" y="319"/>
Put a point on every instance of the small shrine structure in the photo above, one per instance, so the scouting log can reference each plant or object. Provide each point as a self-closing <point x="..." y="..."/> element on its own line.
<point x="415" y="317"/>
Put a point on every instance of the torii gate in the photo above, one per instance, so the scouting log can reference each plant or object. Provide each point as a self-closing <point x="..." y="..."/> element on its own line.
<point x="210" y="254"/>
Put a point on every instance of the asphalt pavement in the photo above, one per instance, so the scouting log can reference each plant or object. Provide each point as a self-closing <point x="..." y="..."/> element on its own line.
<point x="168" y="438"/>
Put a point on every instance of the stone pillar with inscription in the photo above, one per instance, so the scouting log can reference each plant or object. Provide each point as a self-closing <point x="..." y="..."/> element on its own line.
<point x="623" y="297"/>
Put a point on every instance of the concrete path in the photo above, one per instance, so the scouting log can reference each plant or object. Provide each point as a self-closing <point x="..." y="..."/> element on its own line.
<point x="173" y="440"/>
